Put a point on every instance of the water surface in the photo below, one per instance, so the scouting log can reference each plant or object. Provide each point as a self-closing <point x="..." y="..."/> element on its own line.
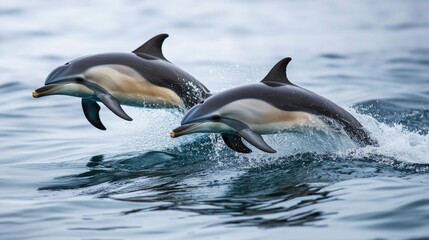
<point x="63" y="179"/>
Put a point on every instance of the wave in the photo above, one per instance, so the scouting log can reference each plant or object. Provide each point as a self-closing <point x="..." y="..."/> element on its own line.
<point x="398" y="140"/>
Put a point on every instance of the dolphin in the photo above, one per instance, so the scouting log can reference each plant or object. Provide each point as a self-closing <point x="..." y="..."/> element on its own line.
<point x="271" y="106"/>
<point x="143" y="78"/>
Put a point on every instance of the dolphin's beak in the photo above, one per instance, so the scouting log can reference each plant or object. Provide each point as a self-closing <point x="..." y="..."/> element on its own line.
<point x="185" y="129"/>
<point x="46" y="90"/>
<point x="54" y="84"/>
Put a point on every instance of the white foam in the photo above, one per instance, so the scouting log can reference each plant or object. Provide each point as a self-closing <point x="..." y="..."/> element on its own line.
<point x="151" y="131"/>
<point x="395" y="141"/>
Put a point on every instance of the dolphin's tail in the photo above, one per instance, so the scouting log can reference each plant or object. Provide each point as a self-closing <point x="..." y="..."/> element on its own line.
<point x="360" y="135"/>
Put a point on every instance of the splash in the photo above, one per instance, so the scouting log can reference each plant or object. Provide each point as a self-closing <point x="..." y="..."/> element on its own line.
<point x="395" y="142"/>
<point x="151" y="131"/>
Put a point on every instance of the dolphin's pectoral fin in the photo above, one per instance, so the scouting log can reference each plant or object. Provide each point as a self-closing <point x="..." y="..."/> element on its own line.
<point x="248" y="134"/>
<point x="105" y="97"/>
<point x="255" y="139"/>
<point x="234" y="142"/>
<point x="113" y="104"/>
<point x="91" y="110"/>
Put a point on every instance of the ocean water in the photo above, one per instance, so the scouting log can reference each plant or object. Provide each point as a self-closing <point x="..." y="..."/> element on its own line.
<point x="60" y="178"/>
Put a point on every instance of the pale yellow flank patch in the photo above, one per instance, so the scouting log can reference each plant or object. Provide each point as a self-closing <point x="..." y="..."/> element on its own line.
<point x="130" y="88"/>
<point x="265" y="118"/>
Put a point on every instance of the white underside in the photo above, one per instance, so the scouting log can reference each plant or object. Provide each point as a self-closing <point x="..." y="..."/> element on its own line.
<point x="262" y="118"/>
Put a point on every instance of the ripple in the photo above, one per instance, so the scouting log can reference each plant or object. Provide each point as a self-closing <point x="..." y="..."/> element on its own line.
<point x="411" y="113"/>
<point x="420" y="51"/>
<point x="411" y="61"/>
<point x="333" y="56"/>
<point x="275" y="193"/>
<point x="26" y="34"/>
<point x="408" y="26"/>
<point x="134" y="182"/>
<point x="403" y="212"/>
<point x="10" y="87"/>
<point x="10" y="11"/>
<point x="104" y="228"/>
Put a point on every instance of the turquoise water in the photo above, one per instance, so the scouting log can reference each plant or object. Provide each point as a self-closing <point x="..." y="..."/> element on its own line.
<point x="60" y="178"/>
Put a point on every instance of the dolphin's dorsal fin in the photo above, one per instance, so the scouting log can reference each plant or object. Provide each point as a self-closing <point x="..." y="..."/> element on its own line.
<point x="278" y="73"/>
<point x="153" y="46"/>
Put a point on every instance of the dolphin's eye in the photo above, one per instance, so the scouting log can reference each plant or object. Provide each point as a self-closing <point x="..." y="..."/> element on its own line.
<point x="202" y="101"/>
<point x="216" y="118"/>
<point x="67" y="63"/>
